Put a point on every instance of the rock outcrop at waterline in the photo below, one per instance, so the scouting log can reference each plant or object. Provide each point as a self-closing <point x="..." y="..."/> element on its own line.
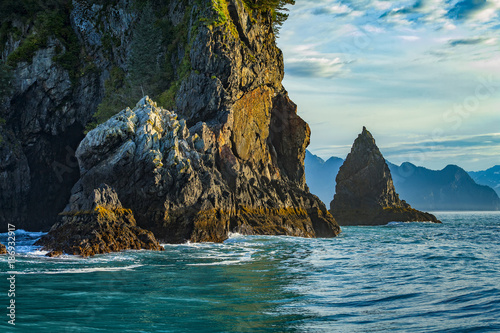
<point x="100" y="225"/>
<point x="365" y="193"/>
<point x="182" y="184"/>
<point x="3" y="249"/>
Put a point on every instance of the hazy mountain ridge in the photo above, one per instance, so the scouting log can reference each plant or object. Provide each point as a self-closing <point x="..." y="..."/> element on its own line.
<point x="451" y="188"/>
<point x="448" y="189"/>
<point x="489" y="177"/>
<point x="320" y="175"/>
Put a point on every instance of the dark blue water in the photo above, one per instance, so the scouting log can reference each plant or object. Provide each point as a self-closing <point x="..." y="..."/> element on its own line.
<point x="415" y="277"/>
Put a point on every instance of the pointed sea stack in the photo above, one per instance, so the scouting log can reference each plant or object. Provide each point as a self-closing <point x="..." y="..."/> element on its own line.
<point x="365" y="193"/>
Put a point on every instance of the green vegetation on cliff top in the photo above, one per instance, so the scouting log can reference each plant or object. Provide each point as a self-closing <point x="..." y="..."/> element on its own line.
<point x="49" y="19"/>
<point x="158" y="61"/>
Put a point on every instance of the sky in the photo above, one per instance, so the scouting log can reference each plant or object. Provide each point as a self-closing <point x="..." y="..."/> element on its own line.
<point x="423" y="76"/>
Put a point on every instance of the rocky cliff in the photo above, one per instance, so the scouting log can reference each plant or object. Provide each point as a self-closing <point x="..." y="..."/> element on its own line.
<point x="3" y="249"/>
<point x="233" y="160"/>
<point x="365" y="193"/>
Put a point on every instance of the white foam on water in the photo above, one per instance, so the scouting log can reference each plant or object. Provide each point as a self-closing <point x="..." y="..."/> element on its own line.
<point x="81" y="270"/>
<point x="33" y="234"/>
<point x="235" y="235"/>
<point x="225" y="262"/>
<point x="37" y="252"/>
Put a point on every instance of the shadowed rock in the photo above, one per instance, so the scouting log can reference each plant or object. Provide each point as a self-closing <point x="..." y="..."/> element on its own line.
<point x="365" y="193"/>
<point x="3" y="249"/>
<point x="101" y="225"/>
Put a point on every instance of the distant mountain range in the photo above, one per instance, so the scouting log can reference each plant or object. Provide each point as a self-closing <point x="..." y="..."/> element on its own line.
<point x="448" y="189"/>
<point x="490" y="177"/>
<point x="320" y="176"/>
<point x="451" y="188"/>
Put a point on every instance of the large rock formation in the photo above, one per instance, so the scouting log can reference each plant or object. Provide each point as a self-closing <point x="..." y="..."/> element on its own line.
<point x="222" y="74"/>
<point x="183" y="185"/>
<point x="365" y="193"/>
<point x="3" y="249"/>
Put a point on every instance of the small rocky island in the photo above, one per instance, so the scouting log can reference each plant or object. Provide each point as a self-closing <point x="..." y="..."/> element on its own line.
<point x="365" y="193"/>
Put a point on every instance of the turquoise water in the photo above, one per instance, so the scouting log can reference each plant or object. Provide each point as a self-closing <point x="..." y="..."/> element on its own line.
<point x="416" y="277"/>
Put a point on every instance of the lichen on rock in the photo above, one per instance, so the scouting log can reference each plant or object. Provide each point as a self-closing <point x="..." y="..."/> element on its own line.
<point x="3" y="249"/>
<point x="101" y="225"/>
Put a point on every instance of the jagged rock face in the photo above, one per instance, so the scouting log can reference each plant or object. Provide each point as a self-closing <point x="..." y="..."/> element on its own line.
<point x="3" y="249"/>
<point x="186" y="184"/>
<point x="46" y="111"/>
<point x="232" y="83"/>
<point x="365" y="193"/>
<point x="101" y="225"/>
<point x="14" y="178"/>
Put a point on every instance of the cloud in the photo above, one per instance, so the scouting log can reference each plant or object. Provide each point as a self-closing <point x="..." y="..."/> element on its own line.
<point x="409" y="38"/>
<point x="415" y="8"/>
<point x="335" y="9"/>
<point x="422" y="11"/>
<point x="314" y="67"/>
<point x="484" y="147"/>
<point x="373" y="29"/>
<point x="466" y="9"/>
<point x="488" y="140"/>
<point x="471" y="41"/>
<point x="308" y="62"/>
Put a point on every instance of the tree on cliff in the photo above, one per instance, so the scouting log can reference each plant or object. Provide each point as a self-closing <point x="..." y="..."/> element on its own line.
<point x="144" y="58"/>
<point x="276" y="7"/>
<point x="5" y="77"/>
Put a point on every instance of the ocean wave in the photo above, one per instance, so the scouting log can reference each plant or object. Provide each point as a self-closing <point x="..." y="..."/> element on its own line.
<point x="19" y="232"/>
<point x="218" y="263"/>
<point x="235" y="235"/>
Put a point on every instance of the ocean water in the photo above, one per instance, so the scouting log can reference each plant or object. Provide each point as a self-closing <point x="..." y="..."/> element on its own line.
<point x="402" y="277"/>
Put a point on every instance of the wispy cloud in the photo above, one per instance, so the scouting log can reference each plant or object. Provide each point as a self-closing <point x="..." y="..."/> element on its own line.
<point x="308" y="62"/>
<point x="467" y="9"/>
<point x="335" y="9"/>
<point x="409" y="38"/>
<point x="314" y="67"/>
<point x="472" y="41"/>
